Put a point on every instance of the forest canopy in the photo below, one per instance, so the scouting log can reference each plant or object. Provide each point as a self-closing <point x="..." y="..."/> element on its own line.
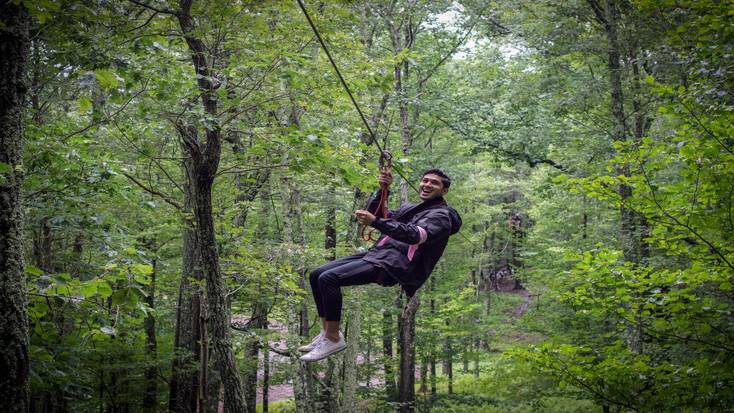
<point x="171" y="171"/>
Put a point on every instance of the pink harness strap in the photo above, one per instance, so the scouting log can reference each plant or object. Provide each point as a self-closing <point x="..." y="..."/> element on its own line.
<point x="414" y="247"/>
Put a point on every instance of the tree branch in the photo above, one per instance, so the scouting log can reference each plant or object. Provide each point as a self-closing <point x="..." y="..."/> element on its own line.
<point x="598" y="12"/>
<point x="152" y="191"/>
<point x="172" y="12"/>
<point x="522" y="156"/>
<point x="107" y="118"/>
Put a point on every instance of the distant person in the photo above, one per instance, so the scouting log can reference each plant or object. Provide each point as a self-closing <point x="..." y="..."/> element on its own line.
<point x="412" y="241"/>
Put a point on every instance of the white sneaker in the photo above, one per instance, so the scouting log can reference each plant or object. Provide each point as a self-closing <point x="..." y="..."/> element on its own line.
<point x="310" y="346"/>
<point x="324" y="349"/>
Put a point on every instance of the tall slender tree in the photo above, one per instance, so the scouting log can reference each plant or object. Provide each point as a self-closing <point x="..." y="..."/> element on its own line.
<point x="205" y="155"/>
<point x="14" y="362"/>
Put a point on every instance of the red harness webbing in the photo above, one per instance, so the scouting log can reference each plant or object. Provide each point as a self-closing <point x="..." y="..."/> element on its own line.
<point x="385" y="167"/>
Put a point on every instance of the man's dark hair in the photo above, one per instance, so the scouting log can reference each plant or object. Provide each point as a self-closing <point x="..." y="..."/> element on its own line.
<point x="444" y="178"/>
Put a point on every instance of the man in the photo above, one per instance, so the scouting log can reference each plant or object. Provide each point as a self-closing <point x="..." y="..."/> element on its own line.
<point x="412" y="241"/>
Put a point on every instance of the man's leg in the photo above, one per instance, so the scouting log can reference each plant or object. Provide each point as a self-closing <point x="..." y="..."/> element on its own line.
<point x="355" y="272"/>
<point x="330" y="281"/>
<point x="314" y="277"/>
<point x="317" y="296"/>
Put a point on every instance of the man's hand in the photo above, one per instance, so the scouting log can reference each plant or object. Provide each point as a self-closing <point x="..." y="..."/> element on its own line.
<point x="364" y="217"/>
<point x="385" y="178"/>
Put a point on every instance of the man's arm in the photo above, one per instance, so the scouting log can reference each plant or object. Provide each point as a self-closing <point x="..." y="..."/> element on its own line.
<point x="436" y="225"/>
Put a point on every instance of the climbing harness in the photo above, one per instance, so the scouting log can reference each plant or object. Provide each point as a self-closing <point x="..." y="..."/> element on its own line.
<point x="381" y="212"/>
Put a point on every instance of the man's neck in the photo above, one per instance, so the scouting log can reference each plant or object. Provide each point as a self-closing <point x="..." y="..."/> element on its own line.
<point x="436" y="200"/>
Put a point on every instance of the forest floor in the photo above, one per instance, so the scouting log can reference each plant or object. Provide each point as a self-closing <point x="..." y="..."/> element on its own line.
<point x="525" y="305"/>
<point x="278" y="392"/>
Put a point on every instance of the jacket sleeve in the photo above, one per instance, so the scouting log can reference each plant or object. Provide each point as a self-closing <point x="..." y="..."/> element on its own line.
<point x="432" y="227"/>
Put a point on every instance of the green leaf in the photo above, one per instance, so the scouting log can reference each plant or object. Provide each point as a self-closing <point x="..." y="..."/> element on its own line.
<point x="141" y="269"/>
<point x="126" y="297"/>
<point x="5" y="168"/>
<point x="31" y="270"/>
<point x="104" y="289"/>
<point x="106" y="78"/>
<point x="89" y="289"/>
<point x="85" y="104"/>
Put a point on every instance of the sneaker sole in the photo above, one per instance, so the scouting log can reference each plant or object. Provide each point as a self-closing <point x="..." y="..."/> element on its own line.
<point x="304" y="349"/>
<point x="325" y="355"/>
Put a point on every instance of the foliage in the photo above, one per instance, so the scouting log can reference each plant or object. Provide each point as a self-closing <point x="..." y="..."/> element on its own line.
<point x="511" y="99"/>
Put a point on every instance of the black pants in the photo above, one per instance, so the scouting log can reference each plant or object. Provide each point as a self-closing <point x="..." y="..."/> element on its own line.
<point x="327" y="280"/>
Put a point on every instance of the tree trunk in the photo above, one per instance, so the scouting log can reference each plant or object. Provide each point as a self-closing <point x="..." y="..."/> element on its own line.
<point x="349" y="369"/>
<point x="266" y="374"/>
<point x="150" y="396"/>
<point x="465" y="359"/>
<point x="407" y="355"/>
<point x="304" y="386"/>
<point x="258" y="318"/>
<point x="252" y="358"/>
<point x="205" y="160"/>
<point x="477" y="344"/>
<point x="217" y="308"/>
<point x="184" y="395"/>
<point x="424" y="375"/>
<point x="407" y="318"/>
<point x="432" y="363"/>
<point x="352" y="325"/>
<point x="330" y="223"/>
<point x="328" y="399"/>
<point x="628" y="231"/>
<point x="431" y="353"/>
<point x="609" y="19"/>
<point x="448" y="364"/>
<point x="642" y="124"/>
<point x="14" y="362"/>
<point x="387" y="353"/>
<point x="42" y="246"/>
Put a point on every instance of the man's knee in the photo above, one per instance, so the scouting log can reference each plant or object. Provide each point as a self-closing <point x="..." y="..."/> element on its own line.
<point x="327" y="279"/>
<point x="314" y="276"/>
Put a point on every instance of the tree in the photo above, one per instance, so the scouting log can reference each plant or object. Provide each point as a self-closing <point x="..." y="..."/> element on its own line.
<point x="14" y="361"/>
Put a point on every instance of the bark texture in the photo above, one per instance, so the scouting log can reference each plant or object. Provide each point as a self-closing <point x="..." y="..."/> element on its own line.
<point x="628" y="221"/>
<point x="349" y="369"/>
<point x="304" y="388"/>
<point x="407" y="355"/>
<point x="14" y="362"/>
<point x="205" y="158"/>
<point x="184" y="396"/>
<point x="252" y="355"/>
<point x="387" y="353"/>
<point x="150" y="397"/>
<point x="402" y="38"/>
<point x="217" y="310"/>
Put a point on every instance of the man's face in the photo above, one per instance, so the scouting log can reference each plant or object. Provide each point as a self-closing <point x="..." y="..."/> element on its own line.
<point x="431" y="187"/>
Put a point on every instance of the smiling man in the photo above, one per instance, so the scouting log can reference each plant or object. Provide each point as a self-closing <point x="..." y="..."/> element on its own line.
<point x="413" y="239"/>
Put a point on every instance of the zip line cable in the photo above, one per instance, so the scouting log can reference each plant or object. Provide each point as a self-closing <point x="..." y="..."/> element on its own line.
<point x="383" y="153"/>
<point x="349" y="92"/>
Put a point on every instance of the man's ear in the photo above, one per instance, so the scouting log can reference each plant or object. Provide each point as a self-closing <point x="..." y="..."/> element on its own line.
<point x="444" y="191"/>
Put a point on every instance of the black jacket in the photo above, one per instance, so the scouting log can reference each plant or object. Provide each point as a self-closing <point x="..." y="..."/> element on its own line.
<point x="401" y="251"/>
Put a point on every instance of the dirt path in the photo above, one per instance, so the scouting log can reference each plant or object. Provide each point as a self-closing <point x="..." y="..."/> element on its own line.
<point x="523" y="307"/>
<point x="285" y="391"/>
<point x="509" y="286"/>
